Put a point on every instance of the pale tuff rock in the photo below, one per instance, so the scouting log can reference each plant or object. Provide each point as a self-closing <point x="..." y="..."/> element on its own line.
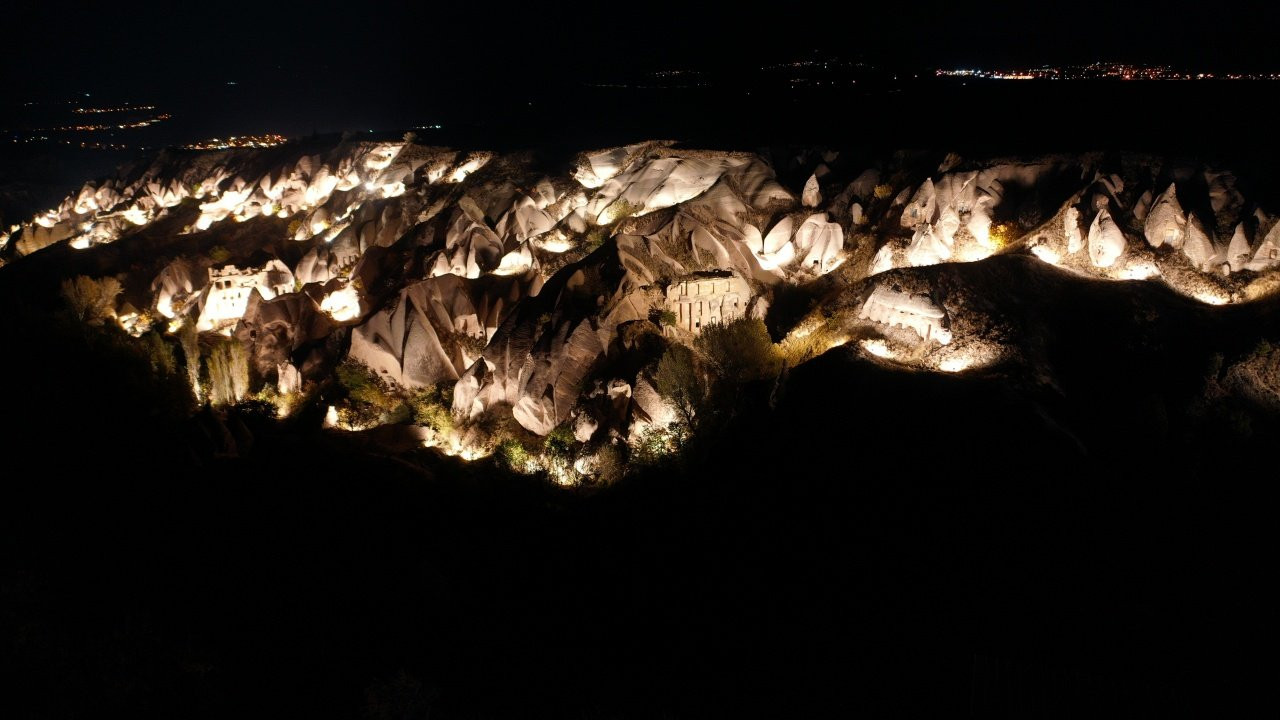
<point x="229" y="289"/>
<point x="864" y="186"/>
<point x="276" y="330"/>
<point x="1106" y="241"/>
<point x="1267" y="254"/>
<point x="1142" y="207"/>
<point x="812" y="196"/>
<point x="1166" y="224"/>
<point x="883" y="261"/>
<point x="584" y="427"/>
<point x="927" y="248"/>
<point x="1198" y="247"/>
<point x="702" y="300"/>
<point x="898" y="309"/>
<point x="818" y="243"/>
<point x="1224" y="198"/>
<point x="288" y="379"/>
<point x="922" y="207"/>
<point x="657" y="183"/>
<point x="174" y="289"/>
<point x="436" y="260"/>
<point x="1239" y="252"/>
<point x="1071" y="227"/>
<point x="434" y="331"/>
<point x="598" y="167"/>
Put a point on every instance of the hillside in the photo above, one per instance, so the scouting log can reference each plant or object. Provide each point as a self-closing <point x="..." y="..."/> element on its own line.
<point x="645" y="431"/>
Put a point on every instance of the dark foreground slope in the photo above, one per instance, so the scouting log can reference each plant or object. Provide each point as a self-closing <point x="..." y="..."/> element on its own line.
<point x="1090" y="535"/>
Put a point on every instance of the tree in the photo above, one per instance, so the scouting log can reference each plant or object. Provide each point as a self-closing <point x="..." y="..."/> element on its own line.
<point x="91" y="301"/>
<point x="228" y="373"/>
<point x="679" y="380"/>
<point x="740" y="351"/>
<point x="189" y="340"/>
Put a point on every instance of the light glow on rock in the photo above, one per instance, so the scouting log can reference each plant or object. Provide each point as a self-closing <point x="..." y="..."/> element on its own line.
<point x="1046" y="254"/>
<point x="1211" y="297"/>
<point x="957" y="363"/>
<point x="1140" y="271"/>
<point x="556" y="245"/>
<point x="877" y="347"/>
<point x="342" y="305"/>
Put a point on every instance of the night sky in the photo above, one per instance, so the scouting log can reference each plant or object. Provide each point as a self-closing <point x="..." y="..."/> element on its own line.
<point x="145" y="46"/>
<point x="327" y="66"/>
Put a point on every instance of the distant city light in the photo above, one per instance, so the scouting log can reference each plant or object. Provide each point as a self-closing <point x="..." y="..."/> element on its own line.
<point x="120" y="109"/>
<point x="1098" y="71"/>
<point x="238" y="141"/>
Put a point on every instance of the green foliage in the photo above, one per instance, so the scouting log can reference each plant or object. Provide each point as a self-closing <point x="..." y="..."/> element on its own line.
<point x="219" y="254"/>
<point x="657" y="444"/>
<point x="798" y="348"/>
<point x="560" y="442"/>
<point x="228" y="373"/>
<point x="189" y="341"/>
<point x="883" y="191"/>
<point x="667" y="318"/>
<point x="740" y="351"/>
<point x="679" y="379"/>
<point x="512" y="454"/>
<point x="159" y="353"/>
<point x="594" y="238"/>
<point x="363" y="386"/>
<point x="429" y="409"/>
<point x="610" y="465"/>
<point x="91" y="301"/>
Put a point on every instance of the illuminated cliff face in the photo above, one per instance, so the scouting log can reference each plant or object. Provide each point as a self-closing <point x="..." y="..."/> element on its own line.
<point x="511" y="287"/>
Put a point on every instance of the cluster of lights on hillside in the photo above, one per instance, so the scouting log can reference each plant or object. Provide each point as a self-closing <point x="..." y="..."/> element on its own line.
<point x="104" y="110"/>
<point x="131" y="125"/>
<point x="238" y="141"/>
<point x="1098" y="71"/>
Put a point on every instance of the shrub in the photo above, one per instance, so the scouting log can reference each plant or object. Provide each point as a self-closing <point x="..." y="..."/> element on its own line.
<point x="91" y="301"/>
<point x="610" y="465"/>
<point x="159" y="353"/>
<point x="514" y="456"/>
<point x="189" y="341"/>
<point x="595" y="238"/>
<point x="667" y="318"/>
<point x="883" y="191"/>
<point x="363" y="386"/>
<point x="656" y="444"/>
<point x="678" y="379"/>
<point x="219" y="254"/>
<point x="560" y="441"/>
<point x="429" y="410"/>
<point x="740" y="351"/>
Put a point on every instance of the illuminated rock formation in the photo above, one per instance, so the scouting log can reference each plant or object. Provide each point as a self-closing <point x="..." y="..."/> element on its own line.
<point x="898" y="309"/>
<point x="704" y="299"/>
<point x="1166" y="223"/>
<point x="516" y="286"/>
<point x="1106" y="241"/>
<point x="230" y="287"/>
